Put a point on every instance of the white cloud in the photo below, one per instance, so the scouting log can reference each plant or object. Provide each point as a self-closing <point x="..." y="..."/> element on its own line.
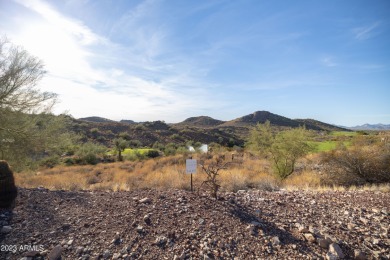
<point x="94" y="76"/>
<point x="328" y="61"/>
<point x="72" y="27"/>
<point x="365" y="32"/>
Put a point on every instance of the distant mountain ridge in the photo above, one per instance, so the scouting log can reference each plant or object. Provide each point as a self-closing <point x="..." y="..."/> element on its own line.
<point x="377" y="127"/>
<point x="202" y="129"/>
<point x="248" y="121"/>
<point x="96" y="119"/>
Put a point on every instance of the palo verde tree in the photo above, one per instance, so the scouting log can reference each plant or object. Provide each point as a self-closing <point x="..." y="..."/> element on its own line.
<point x="284" y="147"/>
<point x="28" y="130"/>
<point x="120" y="145"/>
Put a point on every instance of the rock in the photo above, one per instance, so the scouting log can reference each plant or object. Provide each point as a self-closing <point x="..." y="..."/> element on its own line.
<point x="145" y="200"/>
<point x="350" y="226"/>
<point x="6" y="229"/>
<point x="206" y="257"/>
<point x="7" y="186"/>
<point x="330" y="256"/>
<point x="106" y="254"/>
<point x="116" y="256"/>
<point x="313" y="230"/>
<point x="147" y="219"/>
<point x="309" y="237"/>
<point x="70" y="242"/>
<point x="139" y="229"/>
<point x="180" y="257"/>
<point x="336" y="250"/>
<point x="359" y="255"/>
<point x="161" y="241"/>
<point x="116" y="241"/>
<point x="324" y="243"/>
<point x="79" y="250"/>
<point x="302" y="228"/>
<point x="253" y="229"/>
<point x="275" y="241"/>
<point x="364" y="220"/>
<point x="31" y="254"/>
<point x="55" y="253"/>
<point x="330" y="239"/>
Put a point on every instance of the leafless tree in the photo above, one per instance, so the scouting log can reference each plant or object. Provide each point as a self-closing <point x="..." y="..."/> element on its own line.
<point x="212" y="171"/>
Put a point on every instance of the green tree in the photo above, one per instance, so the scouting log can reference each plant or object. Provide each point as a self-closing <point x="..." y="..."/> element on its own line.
<point x="284" y="147"/>
<point x="28" y="130"/>
<point x="120" y="145"/>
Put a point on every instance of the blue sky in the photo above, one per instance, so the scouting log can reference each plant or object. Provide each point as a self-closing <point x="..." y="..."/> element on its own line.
<point x="173" y="59"/>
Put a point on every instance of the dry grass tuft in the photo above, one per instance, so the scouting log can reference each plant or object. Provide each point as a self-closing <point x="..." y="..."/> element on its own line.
<point x="303" y="180"/>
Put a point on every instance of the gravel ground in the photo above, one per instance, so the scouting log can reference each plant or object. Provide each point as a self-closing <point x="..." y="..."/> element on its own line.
<point x="176" y="224"/>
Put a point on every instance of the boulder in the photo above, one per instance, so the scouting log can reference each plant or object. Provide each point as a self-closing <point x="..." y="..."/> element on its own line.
<point x="8" y="190"/>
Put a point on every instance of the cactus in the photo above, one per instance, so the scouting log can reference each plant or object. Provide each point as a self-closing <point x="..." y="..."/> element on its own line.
<point x="8" y="190"/>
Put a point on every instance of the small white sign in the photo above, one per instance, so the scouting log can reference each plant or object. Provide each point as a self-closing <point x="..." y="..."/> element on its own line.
<point x="190" y="166"/>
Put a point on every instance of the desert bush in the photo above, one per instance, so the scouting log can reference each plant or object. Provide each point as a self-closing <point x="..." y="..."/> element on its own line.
<point x="69" y="161"/>
<point x="170" y="149"/>
<point x="50" y="162"/>
<point x="124" y="135"/>
<point x="93" y="180"/>
<point x="152" y="154"/>
<point x="358" y="164"/>
<point x="135" y="143"/>
<point x="140" y="127"/>
<point x="89" y="153"/>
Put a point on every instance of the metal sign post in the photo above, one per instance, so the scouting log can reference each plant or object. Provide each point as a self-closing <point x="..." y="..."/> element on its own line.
<point x="190" y="168"/>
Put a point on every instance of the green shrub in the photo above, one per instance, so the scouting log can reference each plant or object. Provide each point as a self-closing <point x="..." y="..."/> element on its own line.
<point x="89" y="153"/>
<point x="69" y="161"/>
<point x="152" y="154"/>
<point x="50" y="162"/>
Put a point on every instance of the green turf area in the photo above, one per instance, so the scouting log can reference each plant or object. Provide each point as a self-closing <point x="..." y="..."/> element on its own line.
<point x="326" y="145"/>
<point x="130" y="151"/>
<point x="343" y="133"/>
<point x="142" y="151"/>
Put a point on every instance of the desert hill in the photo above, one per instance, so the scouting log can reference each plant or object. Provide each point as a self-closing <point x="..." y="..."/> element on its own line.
<point x="202" y="129"/>
<point x="201" y="121"/>
<point x="262" y="117"/>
